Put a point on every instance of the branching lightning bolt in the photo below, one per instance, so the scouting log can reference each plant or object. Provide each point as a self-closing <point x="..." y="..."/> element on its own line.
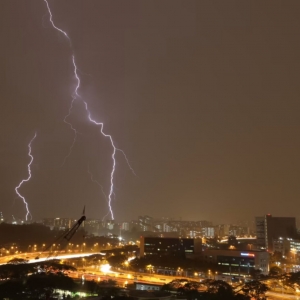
<point x="76" y="96"/>
<point x="27" y="179"/>
<point x="95" y="181"/>
<point x="72" y="128"/>
<point x="101" y="187"/>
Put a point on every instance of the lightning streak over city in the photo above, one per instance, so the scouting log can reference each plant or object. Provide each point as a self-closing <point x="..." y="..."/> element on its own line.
<point x="95" y="181"/>
<point x="27" y="179"/>
<point x="72" y="128"/>
<point x="101" y="187"/>
<point x="76" y="96"/>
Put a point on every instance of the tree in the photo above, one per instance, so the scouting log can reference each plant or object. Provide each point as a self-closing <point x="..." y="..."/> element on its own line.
<point x="16" y="261"/>
<point x="55" y="266"/>
<point x="167" y="287"/>
<point x="275" y="271"/>
<point x="255" y="289"/>
<point x="189" y="290"/>
<point x="255" y="273"/>
<point x="181" y="283"/>
<point x="220" y="289"/>
<point x="108" y="288"/>
<point x="12" y="289"/>
<point x="91" y="286"/>
<point x="43" y="284"/>
<point x="116" y="260"/>
<point x="291" y="280"/>
<point x="15" y="271"/>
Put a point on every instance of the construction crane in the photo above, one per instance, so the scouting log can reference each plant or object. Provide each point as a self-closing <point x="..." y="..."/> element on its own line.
<point x="70" y="233"/>
<point x="73" y="230"/>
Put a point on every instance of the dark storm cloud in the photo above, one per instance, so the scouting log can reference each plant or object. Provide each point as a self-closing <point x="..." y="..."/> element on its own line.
<point x="202" y="96"/>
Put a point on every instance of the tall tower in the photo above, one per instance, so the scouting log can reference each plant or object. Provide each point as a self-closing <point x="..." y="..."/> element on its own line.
<point x="269" y="228"/>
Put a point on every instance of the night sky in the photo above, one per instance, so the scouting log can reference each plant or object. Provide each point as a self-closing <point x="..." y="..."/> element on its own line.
<point x="202" y="96"/>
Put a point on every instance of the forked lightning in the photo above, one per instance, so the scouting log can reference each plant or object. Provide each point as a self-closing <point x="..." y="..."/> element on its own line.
<point x="27" y="179"/>
<point x="76" y="96"/>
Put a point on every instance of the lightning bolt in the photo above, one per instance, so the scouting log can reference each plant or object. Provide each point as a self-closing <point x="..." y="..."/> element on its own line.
<point x="27" y="179"/>
<point x="72" y="128"/>
<point x="76" y="96"/>
<point x="95" y="181"/>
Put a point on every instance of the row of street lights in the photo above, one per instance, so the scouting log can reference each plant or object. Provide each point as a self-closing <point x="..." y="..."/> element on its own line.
<point x="9" y="251"/>
<point x="210" y="274"/>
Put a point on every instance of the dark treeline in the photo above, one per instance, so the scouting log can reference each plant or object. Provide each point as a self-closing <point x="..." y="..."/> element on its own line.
<point x="40" y="280"/>
<point x="27" y="235"/>
<point x="216" y="290"/>
<point x="20" y="280"/>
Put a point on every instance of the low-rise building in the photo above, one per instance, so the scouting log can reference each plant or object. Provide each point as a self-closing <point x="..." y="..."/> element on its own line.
<point x="236" y="262"/>
<point x="169" y="246"/>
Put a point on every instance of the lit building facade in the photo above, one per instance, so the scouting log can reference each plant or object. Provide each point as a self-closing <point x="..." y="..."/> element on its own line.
<point x="169" y="246"/>
<point x="287" y="246"/>
<point x="125" y="226"/>
<point x="238" y="263"/>
<point x="269" y="228"/>
<point x="59" y="223"/>
<point x="208" y="232"/>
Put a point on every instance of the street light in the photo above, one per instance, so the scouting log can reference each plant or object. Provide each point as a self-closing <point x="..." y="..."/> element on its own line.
<point x="294" y="251"/>
<point x="150" y="268"/>
<point x="126" y="263"/>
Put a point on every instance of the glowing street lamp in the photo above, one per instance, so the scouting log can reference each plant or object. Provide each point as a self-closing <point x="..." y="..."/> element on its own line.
<point x="294" y="251"/>
<point x="126" y="263"/>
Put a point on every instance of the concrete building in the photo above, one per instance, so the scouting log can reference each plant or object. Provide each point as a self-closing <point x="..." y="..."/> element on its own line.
<point x="269" y="228"/>
<point x="168" y="228"/>
<point x="236" y="262"/>
<point x="281" y="245"/>
<point x="295" y="246"/>
<point x="194" y="234"/>
<point x="169" y="246"/>
<point x="208" y="232"/>
<point x="287" y="247"/>
<point x="145" y="223"/>
<point x="125" y="226"/>
<point x="143" y="286"/>
<point x="109" y="224"/>
<point x="58" y="223"/>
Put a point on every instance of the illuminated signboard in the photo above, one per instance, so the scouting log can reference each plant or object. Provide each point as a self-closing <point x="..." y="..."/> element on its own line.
<point x="248" y="254"/>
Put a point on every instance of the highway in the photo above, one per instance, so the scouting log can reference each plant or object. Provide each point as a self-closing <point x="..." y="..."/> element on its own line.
<point x="32" y="257"/>
<point x="275" y="296"/>
<point x="123" y="277"/>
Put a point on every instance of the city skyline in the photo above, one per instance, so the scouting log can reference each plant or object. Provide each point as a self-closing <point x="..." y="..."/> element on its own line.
<point x="202" y="98"/>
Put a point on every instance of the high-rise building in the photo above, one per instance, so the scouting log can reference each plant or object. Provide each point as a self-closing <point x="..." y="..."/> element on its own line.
<point x="269" y="228"/>
<point x="145" y="223"/>
<point x="125" y="226"/>
<point x="208" y="231"/>
<point x="58" y="223"/>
